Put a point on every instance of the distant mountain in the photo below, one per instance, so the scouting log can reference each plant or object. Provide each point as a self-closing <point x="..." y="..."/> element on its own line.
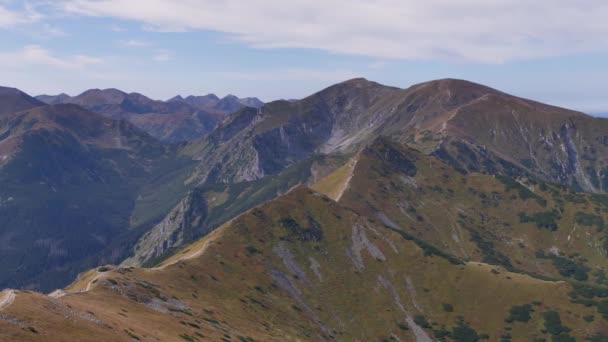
<point x="69" y="182"/>
<point x="169" y="121"/>
<point x="176" y="120"/>
<point x="14" y="100"/>
<point x="226" y="105"/>
<point x="472" y="126"/>
<point x="251" y="102"/>
<point x="120" y="105"/>
<point x="202" y="102"/>
<point x="54" y="99"/>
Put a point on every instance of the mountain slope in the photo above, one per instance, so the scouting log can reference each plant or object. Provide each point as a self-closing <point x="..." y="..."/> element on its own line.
<point x="267" y="140"/>
<point x="14" y="100"/>
<point x="469" y="125"/>
<point x="304" y="268"/>
<point x="206" y="207"/>
<point x="69" y="180"/>
<point x="522" y="225"/>
<point x="226" y="105"/>
<point x="53" y="99"/>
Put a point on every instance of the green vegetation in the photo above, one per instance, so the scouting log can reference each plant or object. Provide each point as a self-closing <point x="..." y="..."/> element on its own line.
<point x="490" y="254"/>
<point x="602" y="308"/>
<point x="587" y="219"/>
<point x="520" y="313"/>
<point x="245" y="339"/>
<point x="545" y="220"/>
<point x="132" y="335"/>
<point x="428" y="248"/>
<point x="553" y="325"/>
<point x="462" y="332"/>
<point x="589" y="318"/>
<point x="598" y="337"/>
<point x="570" y="268"/>
<point x="187" y="337"/>
<point x="523" y="192"/>
<point x="252" y="250"/>
<point x="422" y="321"/>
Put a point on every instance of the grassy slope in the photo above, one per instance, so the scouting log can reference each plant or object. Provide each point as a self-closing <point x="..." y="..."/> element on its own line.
<point x="477" y="216"/>
<point x="300" y="267"/>
<point x="223" y="201"/>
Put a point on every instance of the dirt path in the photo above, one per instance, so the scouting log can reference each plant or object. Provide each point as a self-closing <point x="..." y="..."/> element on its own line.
<point x="348" y="179"/>
<point x="6" y="298"/>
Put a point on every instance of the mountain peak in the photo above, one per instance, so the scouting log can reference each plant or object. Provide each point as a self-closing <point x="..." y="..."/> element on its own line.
<point x="9" y="91"/>
<point x="454" y="85"/>
<point x="53" y="99"/>
<point x="14" y="100"/>
<point x="176" y="98"/>
<point x="230" y="97"/>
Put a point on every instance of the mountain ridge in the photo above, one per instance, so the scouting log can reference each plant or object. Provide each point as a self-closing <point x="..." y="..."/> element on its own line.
<point x="175" y="120"/>
<point x="431" y="116"/>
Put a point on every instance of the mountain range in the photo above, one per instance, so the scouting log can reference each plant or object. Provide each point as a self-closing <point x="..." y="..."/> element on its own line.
<point x="449" y="210"/>
<point x="175" y="120"/>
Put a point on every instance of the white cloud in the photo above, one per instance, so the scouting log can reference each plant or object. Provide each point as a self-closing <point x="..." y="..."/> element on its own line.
<point x="490" y="31"/>
<point x="9" y="18"/>
<point x="37" y="55"/>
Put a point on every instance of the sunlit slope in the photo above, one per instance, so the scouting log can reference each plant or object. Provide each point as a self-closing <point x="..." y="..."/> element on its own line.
<point x="300" y="267"/>
<point x="522" y="225"/>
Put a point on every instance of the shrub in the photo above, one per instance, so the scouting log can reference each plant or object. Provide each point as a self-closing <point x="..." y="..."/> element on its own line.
<point x="421" y="321"/>
<point x="544" y="220"/>
<point x="602" y="307"/>
<point x="252" y="249"/>
<point x="186" y="337"/>
<point x="462" y="332"/>
<point x="553" y="323"/>
<point x="569" y="268"/>
<point x="448" y="307"/>
<point x="586" y="219"/>
<point x="598" y="337"/>
<point x="520" y="313"/>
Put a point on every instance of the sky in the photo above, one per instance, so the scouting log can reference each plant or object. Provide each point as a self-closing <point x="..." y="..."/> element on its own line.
<point x="555" y="51"/>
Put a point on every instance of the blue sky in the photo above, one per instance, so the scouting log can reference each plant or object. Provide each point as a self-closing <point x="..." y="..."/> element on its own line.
<point x="555" y="51"/>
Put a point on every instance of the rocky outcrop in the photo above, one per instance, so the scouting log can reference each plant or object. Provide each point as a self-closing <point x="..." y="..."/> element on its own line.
<point x="183" y="224"/>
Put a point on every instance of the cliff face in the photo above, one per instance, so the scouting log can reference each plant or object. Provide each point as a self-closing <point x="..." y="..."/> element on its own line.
<point x="183" y="224"/>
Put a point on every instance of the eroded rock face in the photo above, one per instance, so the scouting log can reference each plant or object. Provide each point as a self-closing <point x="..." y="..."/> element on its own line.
<point x="183" y="224"/>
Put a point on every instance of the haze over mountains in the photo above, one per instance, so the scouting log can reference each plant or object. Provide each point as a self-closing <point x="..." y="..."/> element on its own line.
<point x="448" y="209"/>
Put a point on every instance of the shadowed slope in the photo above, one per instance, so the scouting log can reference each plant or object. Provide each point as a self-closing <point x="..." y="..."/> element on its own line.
<point x="69" y="180"/>
<point x="13" y="100"/>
